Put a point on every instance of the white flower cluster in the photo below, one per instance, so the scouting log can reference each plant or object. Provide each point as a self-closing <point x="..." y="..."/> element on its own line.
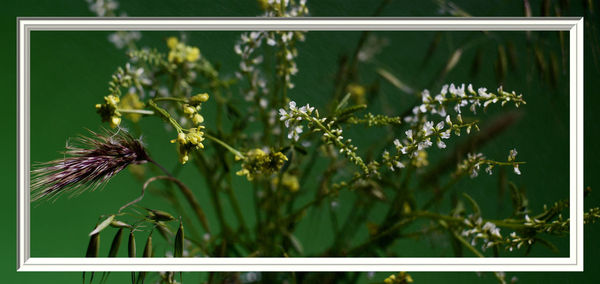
<point x="249" y="43"/>
<point x="245" y="48"/>
<point x="285" y="8"/>
<point x="516" y="241"/>
<point x="460" y="98"/>
<point x="474" y="162"/>
<point x="291" y="118"/>
<point x="488" y="232"/>
<point x="108" y="8"/>
<point x="103" y="8"/>
<point x="123" y="39"/>
<point x="421" y="139"/>
<point x="511" y="158"/>
<point x="331" y="135"/>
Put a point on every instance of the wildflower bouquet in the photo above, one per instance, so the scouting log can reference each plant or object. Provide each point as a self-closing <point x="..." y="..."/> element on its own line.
<point x="296" y="158"/>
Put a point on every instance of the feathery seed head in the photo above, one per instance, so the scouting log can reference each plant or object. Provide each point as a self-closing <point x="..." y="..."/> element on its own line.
<point x="88" y="164"/>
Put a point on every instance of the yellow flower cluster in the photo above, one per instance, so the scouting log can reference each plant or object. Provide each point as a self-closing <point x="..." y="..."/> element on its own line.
<point x="357" y="93"/>
<point x="192" y="109"/>
<point x="179" y="52"/>
<point x="109" y="111"/>
<point x="188" y="142"/>
<point x="400" y="278"/>
<point x="288" y="181"/>
<point x="258" y="163"/>
<point x="131" y="101"/>
<point x="420" y="160"/>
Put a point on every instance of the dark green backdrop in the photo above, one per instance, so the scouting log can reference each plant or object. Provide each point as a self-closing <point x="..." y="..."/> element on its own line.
<point x="70" y="71"/>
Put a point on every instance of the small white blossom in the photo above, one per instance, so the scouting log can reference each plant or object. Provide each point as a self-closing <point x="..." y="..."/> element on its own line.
<point x="489" y="169"/>
<point x="445" y="134"/>
<point x="409" y="134"/>
<point x="439" y="126"/>
<point x="441" y="144"/>
<point x="424" y="144"/>
<point x="516" y="169"/>
<point x="428" y="128"/>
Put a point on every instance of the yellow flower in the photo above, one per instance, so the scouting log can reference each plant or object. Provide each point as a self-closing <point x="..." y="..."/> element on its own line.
<point x="192" y="53"/>
<point x="391" y="279"/>
<point x="188" y="142"/>
<point x="401" y="278"/>
<point x="132" y="101"/>
<point x="195" y="104"/>
<point x="172" y="42"/>
<point x="197" y="118"/>
<point x="109" y="111"/>
<point x="357" y="93"/>
<point x="288" y="181"/>
<point x="179" y="52"/>
<point x="189" y="110"/>
<point x="257" y="163"/>
<point x="421" y="159"/>
<point x="115" y="121"/>
<point x="198" y="99"/>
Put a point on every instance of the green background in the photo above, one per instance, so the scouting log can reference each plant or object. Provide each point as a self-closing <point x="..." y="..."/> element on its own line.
<point x="70" y="71"/>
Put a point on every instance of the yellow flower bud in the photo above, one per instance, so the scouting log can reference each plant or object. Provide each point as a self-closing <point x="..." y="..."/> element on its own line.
<point x="181" y="138"/>
<point x="187" y="109"/>
<point x="197" y="119"/>
<point x="199" y="98"/>
<point x="115" y="121"/>
<point x="184" y="158"/>
<point x="112" y="100"/>
<point x="172" y="42"/>
<point x="192" y="54"/>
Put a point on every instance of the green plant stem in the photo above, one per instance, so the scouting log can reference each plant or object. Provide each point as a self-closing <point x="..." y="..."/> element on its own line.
<point x="172" y="99"/>
<point x="229" y="148"/>
<point x="164" y="114"/>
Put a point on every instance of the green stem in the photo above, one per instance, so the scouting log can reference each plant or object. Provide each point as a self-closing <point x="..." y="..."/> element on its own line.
<point x="466" y="244"/>
<point x="220" y="142"/>
<point x="165" y="115"/>
<point x="181" y="100"/>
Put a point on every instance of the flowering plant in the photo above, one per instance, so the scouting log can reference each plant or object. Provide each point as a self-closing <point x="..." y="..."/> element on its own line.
<point x="286" y="151"/>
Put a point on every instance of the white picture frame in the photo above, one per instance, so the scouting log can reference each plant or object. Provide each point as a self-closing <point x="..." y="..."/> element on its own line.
<point x="572" y="263"/>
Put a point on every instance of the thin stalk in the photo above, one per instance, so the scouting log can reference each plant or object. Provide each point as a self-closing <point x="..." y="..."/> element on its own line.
<point x="189" y="195"/>
<point x="136" y="111"/>
<point x="229" y="148"/>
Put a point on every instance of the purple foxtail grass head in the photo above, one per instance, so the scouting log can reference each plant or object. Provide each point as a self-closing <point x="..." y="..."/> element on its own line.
<point x="89" y="163"/>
